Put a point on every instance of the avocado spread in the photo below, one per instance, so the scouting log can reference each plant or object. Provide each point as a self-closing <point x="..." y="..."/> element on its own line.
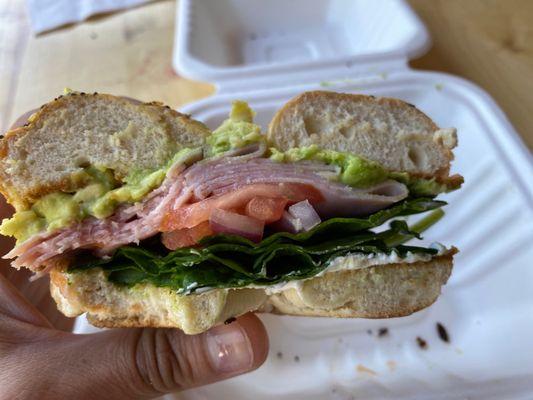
<point x="422" y="186"/>
<point x="353" y="170"/>
<point x="99" y="197"/>
<point x="236" y="131"/>
<point x="359" y="172"/>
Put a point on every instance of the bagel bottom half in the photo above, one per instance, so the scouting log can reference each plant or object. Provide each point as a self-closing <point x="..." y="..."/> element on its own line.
<point x="382" y="291"/>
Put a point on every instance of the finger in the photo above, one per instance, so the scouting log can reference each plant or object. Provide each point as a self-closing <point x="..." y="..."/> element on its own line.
<point x="23" y="119"/>
<point x="13" y="304"/>
<point x="144" y="363"/>
<point x="36" y="292"/>
<point x="6" y="243"/>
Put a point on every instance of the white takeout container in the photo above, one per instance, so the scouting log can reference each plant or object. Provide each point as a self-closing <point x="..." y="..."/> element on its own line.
<point x="266" y="52"/>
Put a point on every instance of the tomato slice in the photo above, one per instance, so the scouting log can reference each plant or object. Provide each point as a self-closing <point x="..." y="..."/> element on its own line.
<point x="186" y="237"/>
<point x="194" y="214"/>
<point x="266" y="209"/>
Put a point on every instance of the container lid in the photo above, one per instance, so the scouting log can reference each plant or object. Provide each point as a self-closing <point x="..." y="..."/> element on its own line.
<point x="256" y="43"/>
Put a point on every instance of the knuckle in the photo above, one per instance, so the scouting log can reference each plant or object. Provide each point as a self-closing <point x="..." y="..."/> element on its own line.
<point x="168" y="360"/>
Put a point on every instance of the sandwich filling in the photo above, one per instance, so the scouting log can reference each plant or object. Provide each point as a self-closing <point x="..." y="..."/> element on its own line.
<point x="235" y="213"/>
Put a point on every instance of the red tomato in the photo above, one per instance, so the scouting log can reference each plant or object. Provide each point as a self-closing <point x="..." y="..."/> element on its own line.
<point x="266" y="209"/>
<point x="186" y="237"/>
<point x="194" y="214"/>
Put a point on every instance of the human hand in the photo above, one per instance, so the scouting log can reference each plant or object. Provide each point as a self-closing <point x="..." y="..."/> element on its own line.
<point x="41" y="358"/>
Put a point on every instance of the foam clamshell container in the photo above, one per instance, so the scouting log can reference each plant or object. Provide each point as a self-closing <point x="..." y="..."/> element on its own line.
<point x="266" y="52"/>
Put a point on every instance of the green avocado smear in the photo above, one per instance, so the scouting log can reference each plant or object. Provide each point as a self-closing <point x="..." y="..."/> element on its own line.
<point x="360" y="172"/>
<point x="235" y="132"/>
<point x="99" y="197"/>
<point x="353" y="170"/>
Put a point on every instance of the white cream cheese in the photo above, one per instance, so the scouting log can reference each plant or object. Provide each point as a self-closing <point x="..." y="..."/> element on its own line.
<point x="354" y="261"/>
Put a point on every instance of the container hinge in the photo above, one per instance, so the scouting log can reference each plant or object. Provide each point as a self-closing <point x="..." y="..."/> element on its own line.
<point x="350" y="71"/>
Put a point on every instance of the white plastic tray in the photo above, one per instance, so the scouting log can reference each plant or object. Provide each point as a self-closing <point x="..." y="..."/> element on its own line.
<point x="267" y="52"/>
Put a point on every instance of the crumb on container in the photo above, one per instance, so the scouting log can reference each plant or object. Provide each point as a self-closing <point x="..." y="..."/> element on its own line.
<point x="362" y="369"/>
<point x="383" y="332"/>
<point x="443" y="333"/>
<point x="421" y="343"/>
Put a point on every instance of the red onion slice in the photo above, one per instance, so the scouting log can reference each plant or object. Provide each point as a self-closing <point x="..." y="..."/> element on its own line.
<point x="298" y="218"/>
<point x="306" y="214"/>
<point x="222" y="221"/>
<point x="287" y="223"/>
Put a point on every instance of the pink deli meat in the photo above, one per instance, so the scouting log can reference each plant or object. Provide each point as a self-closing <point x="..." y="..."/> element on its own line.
<point x="199" y="183"/>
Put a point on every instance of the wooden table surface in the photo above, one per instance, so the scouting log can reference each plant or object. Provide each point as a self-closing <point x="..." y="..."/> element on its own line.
<point x="487" y="41"/>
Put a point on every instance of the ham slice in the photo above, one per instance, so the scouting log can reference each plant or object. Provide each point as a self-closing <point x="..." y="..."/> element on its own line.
<point x="216" y="177"/>
<point x="225" y="175"/>
<point x="128" y="225"/>
<point x="187" y="197"/>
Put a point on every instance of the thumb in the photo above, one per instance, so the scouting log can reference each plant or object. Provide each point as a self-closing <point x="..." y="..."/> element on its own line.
<point x="144" y="363"/>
